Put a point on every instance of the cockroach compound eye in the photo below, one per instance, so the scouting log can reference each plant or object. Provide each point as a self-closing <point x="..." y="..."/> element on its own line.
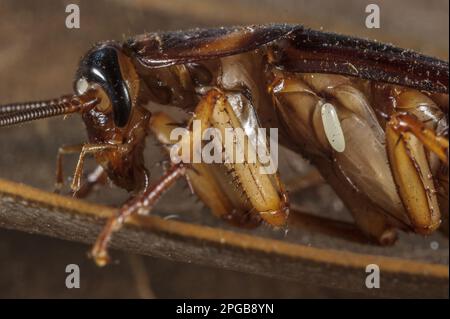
<point x="108" y="67"/>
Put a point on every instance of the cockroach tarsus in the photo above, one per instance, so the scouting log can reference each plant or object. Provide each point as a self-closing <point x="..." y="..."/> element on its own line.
<point x="371" y="117"/>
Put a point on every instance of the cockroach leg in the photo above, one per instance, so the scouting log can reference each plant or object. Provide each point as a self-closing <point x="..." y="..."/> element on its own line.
<point x="141" y="204"/>
<point x="96" y="177"/>
<point x="404" y="123"/>
<point x="64" y="150"/>
<point x="88" y="149"/>
<point x="236" y="192"/>
<point x="190" y="185"/>
<point x="406" y="142"/>
<point x="209" y="182"/>
<point x="263" y="191"/>
<point x="417" y="147"/>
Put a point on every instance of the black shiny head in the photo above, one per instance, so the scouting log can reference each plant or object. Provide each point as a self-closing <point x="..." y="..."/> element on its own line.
<point x="109" y="68"/>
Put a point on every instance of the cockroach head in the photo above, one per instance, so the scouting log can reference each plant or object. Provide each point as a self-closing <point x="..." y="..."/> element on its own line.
<point x="110" y="73"/>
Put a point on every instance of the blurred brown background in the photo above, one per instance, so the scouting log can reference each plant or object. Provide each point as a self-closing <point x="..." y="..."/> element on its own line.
<point x="38" y="58"/>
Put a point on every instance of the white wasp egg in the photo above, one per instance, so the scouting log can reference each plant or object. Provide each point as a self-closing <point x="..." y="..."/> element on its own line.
<point x="332" y="127"/>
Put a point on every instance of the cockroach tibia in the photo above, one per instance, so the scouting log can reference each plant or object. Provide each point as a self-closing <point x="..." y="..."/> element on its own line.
<point x="371" y="117"/>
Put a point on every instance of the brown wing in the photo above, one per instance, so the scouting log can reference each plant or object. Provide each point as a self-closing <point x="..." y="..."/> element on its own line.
<point x="167" y="48"/>
<point x="307" y="50"/>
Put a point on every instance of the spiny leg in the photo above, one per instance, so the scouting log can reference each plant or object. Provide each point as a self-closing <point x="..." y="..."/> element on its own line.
<point x="141" y="204"/>
<point x="236" y="192"/>
<point x="64" y="150"/>
<point x="83" y="149"/>
<point x="403" y="123"/>
<point x="97" y="177"/>
<point x="207" y="181"/>
<point x="87" y="149"/>
<point x="256" y="181"/>
<point x="407" y="139"/>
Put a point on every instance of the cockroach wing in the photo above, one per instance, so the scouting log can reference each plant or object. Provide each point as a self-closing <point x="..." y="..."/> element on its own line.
<point x="312" y="51"/>
<point x="162" y="49"/>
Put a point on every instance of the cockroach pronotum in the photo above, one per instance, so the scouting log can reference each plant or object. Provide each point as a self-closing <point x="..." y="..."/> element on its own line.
<point x="371" y="117"/>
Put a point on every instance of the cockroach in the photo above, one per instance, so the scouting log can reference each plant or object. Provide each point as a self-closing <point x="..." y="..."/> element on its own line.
<point x="371" y="117"/>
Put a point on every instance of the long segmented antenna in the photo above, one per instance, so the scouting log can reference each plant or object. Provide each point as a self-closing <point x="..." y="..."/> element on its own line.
<point x="12" y="114"/>
<point x="20" y="107"/>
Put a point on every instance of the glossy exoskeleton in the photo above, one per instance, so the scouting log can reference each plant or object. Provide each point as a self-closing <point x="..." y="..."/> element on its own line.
<point x="371" y="117"/>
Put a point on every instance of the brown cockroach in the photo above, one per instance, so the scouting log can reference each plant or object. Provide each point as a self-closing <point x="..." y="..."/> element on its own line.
<point x="371" y="117"/>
